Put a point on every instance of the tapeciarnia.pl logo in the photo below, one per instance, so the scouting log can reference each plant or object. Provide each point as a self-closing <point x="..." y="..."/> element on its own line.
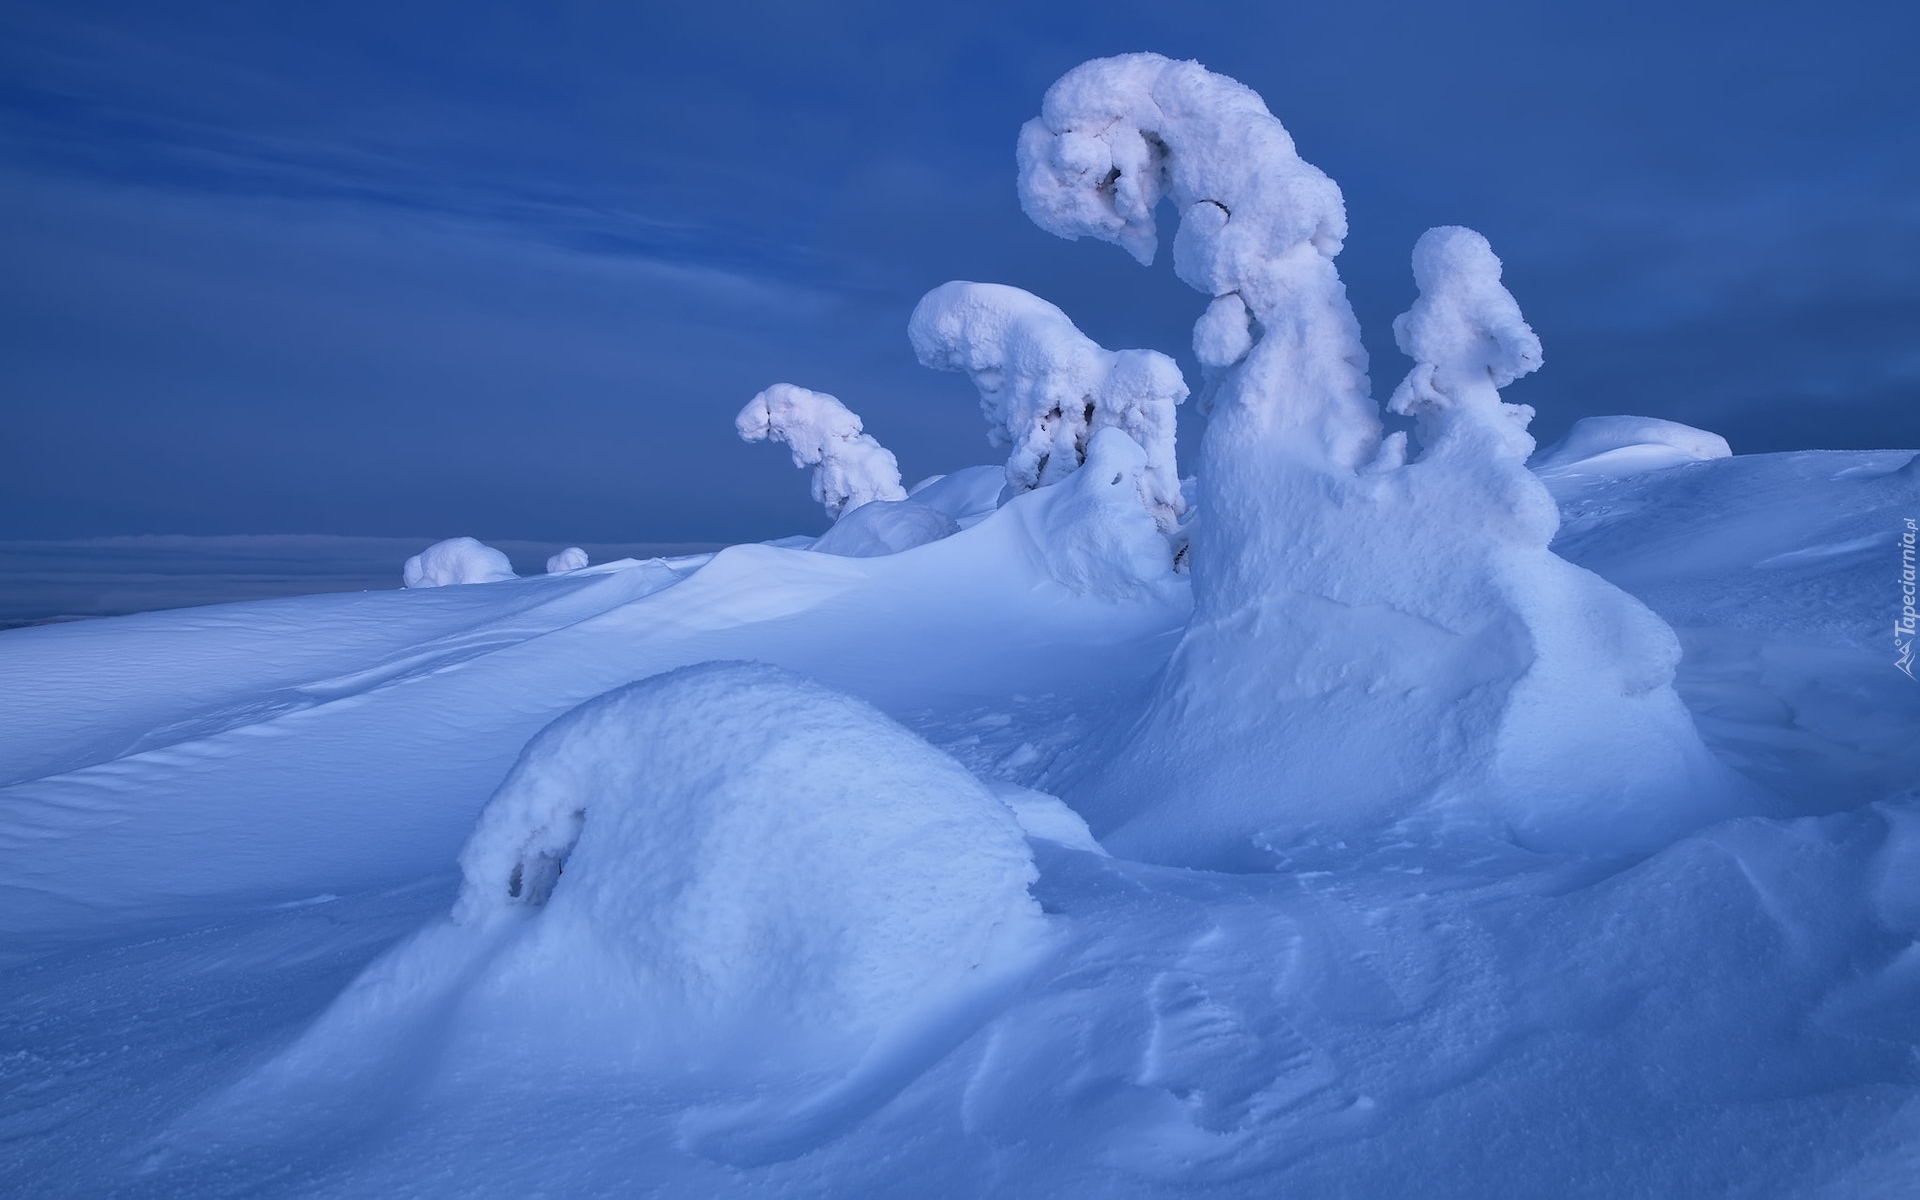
<point x="1903" y="628"/>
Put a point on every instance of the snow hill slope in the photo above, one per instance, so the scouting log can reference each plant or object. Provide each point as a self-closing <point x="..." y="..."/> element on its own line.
<point x="214" y="821"/>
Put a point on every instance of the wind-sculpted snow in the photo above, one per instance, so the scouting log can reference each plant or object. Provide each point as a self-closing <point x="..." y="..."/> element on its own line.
<point x="1620" y="446"/>
<point x="1378" y="638"/>
<point x="849" y="467"/>
<point x="885" y="527"/>
<point x="571" y="559"/>
<point x="454" y="561"/>
<point x="1046" y="388"/>
<point x="1735" y="1009"/>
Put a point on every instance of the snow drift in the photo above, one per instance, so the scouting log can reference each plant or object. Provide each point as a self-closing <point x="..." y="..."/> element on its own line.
<point x="1046" y="388"/>
<point x="456" y="560"/>
<point x="725" y="872"/>
<point x="1375" y="640"/>
<point x="885" y="527"/>
<point x="1618" y="446"/>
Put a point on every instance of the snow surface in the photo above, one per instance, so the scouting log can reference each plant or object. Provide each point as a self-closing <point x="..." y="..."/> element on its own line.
<point x="217" y="819"/>
<point x="849" y="467"/>
<point x="456" y="560"/>
<point x="570" y="559"/>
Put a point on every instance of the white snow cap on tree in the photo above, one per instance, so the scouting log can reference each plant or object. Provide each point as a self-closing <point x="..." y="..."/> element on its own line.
<point x="1045" y="387"/>
<point x="456" y="560"/>
<point x="1467" y="339"/>
<point x="1259" y="227"/>
<point x="570" y="559"/>
<point x="850" y="468"/>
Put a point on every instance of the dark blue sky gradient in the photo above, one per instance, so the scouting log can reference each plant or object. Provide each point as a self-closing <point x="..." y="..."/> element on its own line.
<point x="434" y="269"/>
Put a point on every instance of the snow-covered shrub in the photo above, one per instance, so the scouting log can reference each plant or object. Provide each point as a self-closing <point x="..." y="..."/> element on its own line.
<point x="1468" y="340"/>
<point x="570" y="559"/>
<point x="849" y="467"/>
<point x="1045" y="387"/>
<point x="1374" y="639"/>
<point x="885" y="527"/>
<point x="1618" y="446"/>
<point x="748" y="850"/>
<point x="456" y="560"/>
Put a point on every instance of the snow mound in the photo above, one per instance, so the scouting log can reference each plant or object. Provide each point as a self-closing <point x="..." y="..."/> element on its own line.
<point x="571" y="559"/>
<point x="1046" y="388"/>
<point x="849" y="467"/>
<point x="749" y="844"/>
<point x="1616" y="447"/>
<point x="883" y="527"/>
<point x="456" y="560"/>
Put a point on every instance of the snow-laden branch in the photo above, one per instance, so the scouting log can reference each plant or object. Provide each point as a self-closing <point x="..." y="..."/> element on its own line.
<point x="1046" y="388"/>
<point x="850" y="468"/>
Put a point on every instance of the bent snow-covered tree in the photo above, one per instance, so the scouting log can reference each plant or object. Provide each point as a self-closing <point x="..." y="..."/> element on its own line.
<point x="849" y="468"/>
<point x="1046" y="388"/>
<point x="1374" y="641"/>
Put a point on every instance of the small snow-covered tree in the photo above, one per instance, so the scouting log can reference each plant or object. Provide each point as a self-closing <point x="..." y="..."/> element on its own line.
<point x="1046" y="388"/>
<point x="1374" y="640"/>
<point x="1468" y="340"/>
<point x="849" y="467"/>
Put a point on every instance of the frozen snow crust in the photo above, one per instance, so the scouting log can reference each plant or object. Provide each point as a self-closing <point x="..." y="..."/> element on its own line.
<point x="1376" y="640"/>
<point x="456" y="560"/>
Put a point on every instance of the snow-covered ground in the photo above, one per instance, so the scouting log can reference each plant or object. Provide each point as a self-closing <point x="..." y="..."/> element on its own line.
<point x="1314" y="826"/>
<point x="216" y="819"/>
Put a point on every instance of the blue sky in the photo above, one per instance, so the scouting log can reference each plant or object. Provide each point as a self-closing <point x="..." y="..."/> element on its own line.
<point x="463" y="268"/>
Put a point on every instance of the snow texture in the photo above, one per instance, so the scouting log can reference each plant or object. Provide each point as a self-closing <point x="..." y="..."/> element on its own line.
<point x="849" y="467"/>
<point x="1375" y="641"/>
<point x="1620" y="446"/>
<point x="885" y="527"/>
<point x="456" y="560"/>
<point x="571" y="559"/>
<point x="1046" y="388"/>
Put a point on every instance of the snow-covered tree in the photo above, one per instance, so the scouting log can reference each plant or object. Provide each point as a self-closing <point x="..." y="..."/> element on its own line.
<point x="1046" y="388"/>
<point x="571" y="559"/>
<point x="849" y="467"/>
<point x="1468" y="340"/>
<point x="1374" y="641"/>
